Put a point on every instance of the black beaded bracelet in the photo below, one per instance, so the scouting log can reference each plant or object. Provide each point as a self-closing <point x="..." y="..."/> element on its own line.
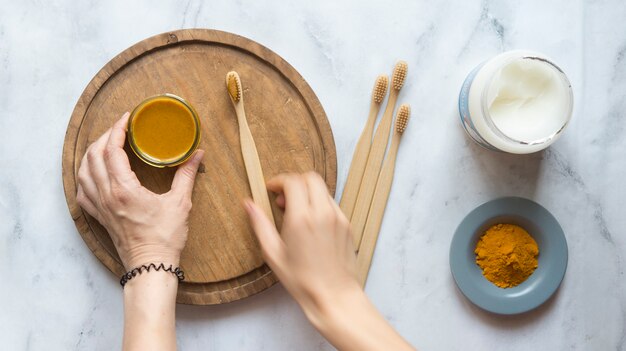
<point x="137" y="271"/>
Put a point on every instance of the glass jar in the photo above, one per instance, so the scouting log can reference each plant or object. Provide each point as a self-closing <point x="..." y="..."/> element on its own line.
<point x="518" y="102"/>
<point x="164" y="130"/>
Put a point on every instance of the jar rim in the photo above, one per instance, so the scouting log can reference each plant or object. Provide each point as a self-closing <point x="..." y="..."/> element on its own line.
<point x="565" y="83"/>
<point x="155" y="162"/>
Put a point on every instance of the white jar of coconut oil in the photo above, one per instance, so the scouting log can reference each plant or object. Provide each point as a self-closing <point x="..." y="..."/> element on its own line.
<point x="518" y="102"/>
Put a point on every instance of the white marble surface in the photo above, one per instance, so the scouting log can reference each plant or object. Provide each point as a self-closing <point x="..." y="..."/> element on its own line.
<point x="55" y="295"/>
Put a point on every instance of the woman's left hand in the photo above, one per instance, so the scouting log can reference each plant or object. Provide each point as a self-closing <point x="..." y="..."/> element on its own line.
<point x="145" y="227"/>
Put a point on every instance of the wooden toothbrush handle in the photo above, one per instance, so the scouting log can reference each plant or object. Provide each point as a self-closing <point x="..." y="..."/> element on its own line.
<point x="357" y="167"/>
<point x="376" y="213"/>
<point x="372" y="170"/>
<point x="253" y="166"/>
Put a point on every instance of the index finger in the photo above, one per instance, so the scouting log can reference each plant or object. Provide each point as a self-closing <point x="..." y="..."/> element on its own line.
<point x="293" y="187"/>
<point x="117" y="161"/>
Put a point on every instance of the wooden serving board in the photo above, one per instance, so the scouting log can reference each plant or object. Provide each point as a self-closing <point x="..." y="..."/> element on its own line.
<point x="222" y="261"/>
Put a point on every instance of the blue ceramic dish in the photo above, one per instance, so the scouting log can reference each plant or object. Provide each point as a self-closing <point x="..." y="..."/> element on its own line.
<point x="538" y="288"/>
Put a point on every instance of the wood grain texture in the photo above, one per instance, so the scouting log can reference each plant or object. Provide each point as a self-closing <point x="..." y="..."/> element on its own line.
<point x="222" y="261"/>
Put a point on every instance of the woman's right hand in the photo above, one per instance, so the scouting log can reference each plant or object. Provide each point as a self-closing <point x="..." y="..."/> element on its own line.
<point x="314" y="256"/>
<point x="315" y="260"/>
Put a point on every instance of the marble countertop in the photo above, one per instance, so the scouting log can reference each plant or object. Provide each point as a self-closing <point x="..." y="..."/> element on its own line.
<point x="56" y="295"/>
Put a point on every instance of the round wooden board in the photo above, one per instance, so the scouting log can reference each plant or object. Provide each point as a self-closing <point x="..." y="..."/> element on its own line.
<point x="222" y="260"/>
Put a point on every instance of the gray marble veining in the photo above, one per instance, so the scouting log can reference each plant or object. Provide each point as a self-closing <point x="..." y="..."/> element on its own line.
<point x="56" y="296"/>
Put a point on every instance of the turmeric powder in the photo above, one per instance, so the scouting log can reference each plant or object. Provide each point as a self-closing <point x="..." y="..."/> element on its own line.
<point x="507" y="255"/>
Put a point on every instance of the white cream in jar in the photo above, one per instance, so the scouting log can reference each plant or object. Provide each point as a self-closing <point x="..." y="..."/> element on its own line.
<point x="517" y="102"/>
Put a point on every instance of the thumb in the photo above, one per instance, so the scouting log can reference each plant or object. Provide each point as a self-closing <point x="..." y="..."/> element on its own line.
<point x="186" y="175"/>
<point x="272" y="245"/>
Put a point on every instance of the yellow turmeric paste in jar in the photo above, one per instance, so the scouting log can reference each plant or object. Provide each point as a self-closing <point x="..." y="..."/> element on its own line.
<point x="164" y="130"/>
<point x="507" y="254"/>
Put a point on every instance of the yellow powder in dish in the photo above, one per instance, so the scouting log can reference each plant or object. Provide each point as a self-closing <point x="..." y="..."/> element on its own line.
<point x="507" y="254"/>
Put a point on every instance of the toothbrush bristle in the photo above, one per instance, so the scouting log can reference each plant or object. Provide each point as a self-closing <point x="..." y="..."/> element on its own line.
<point x="234" y="85"/>
<point x="380" y="88"/>
<point x="402" y="118"/>
<point x="399" y="74"/>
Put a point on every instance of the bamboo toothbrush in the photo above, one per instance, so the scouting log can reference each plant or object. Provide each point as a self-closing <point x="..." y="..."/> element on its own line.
<point x="381" y="195"/>
<point x="248" y="148"/>
<point x="376" y="155"/>
<point x="362" y="150"/>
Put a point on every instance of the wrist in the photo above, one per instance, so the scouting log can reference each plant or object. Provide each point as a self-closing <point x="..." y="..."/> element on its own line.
<point x="155" y="280"/>
<point x="349" y="321"/>
<point x="151" y="267"/>
<point x="326" y="308"/>
<point x="150" y="289"/>
<point x="137" y="259"/>
<point x="149" y="310"/>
